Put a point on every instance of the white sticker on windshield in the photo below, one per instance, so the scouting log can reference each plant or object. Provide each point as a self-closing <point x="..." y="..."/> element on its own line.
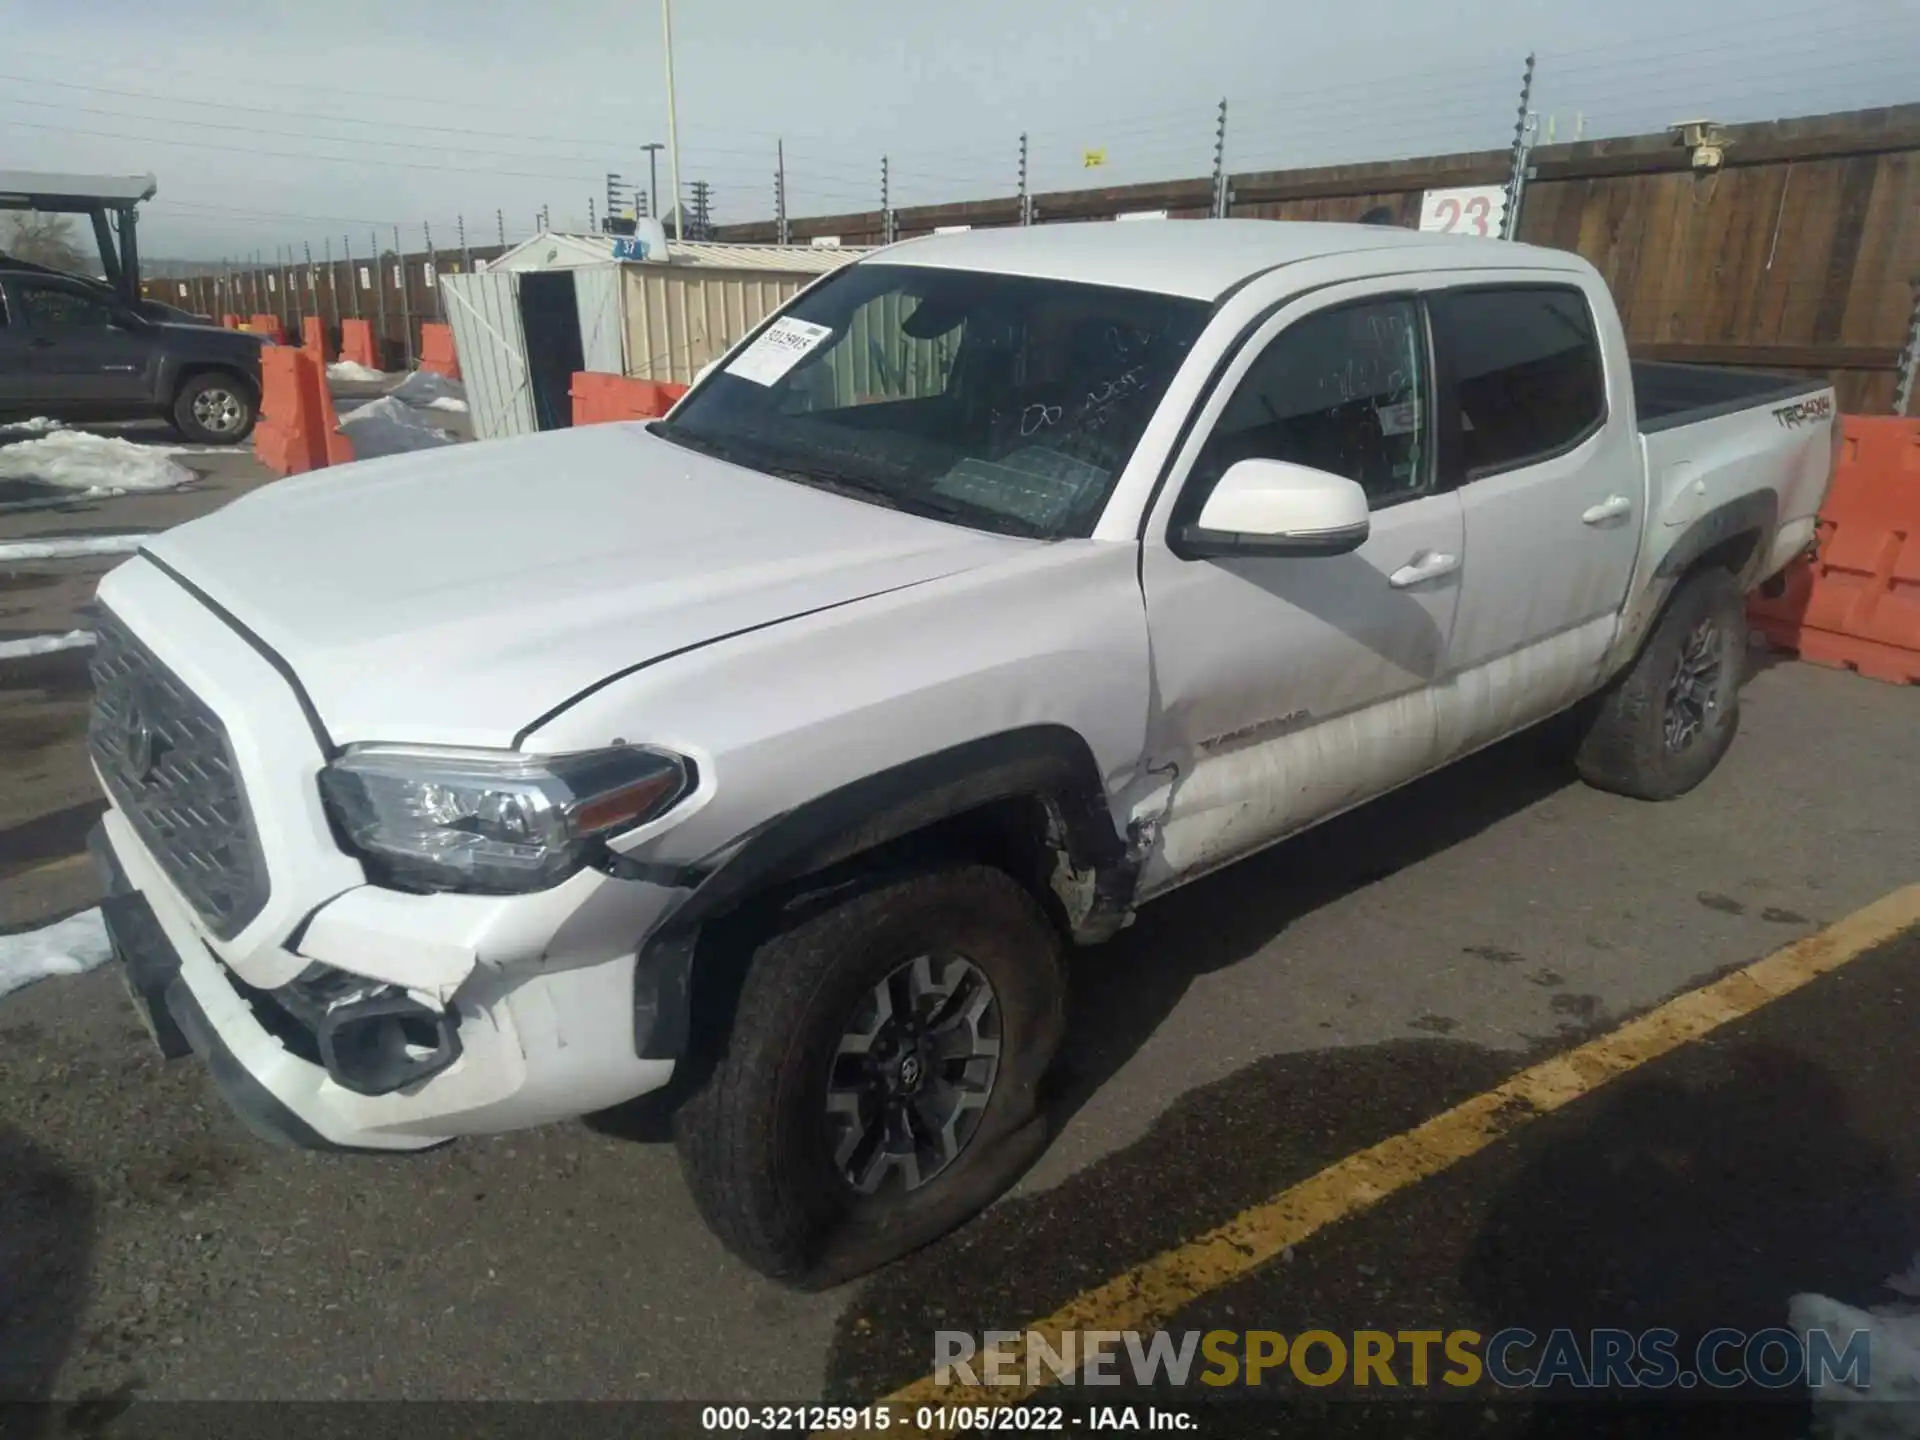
<point x="1401" y="419"/>
<point x="780" y="347"/>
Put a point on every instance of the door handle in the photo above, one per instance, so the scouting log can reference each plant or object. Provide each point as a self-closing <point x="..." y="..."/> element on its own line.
<point x="1611" y="508"/>
<point x="1427" y="565"/>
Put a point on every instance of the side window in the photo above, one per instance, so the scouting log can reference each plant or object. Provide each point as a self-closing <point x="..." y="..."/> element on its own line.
<point x="47" y="307"/>
<point x="1526" y="373"/>
<point x="1342" y="391"/>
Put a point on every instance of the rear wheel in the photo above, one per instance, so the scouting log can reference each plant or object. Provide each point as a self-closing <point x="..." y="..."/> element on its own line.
<point x="1663" y="725"/>
<point x="879" y="1084"/>
<point x="215" y="408"/>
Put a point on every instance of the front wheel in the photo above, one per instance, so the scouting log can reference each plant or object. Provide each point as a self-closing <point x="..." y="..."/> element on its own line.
<point x="1663" y="724"/>
<point x="215" y="409"/>
<point x="879" y="1083"/>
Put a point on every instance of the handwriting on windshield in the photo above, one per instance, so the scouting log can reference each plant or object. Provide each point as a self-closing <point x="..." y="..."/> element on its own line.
<point x="1037" y="417"/>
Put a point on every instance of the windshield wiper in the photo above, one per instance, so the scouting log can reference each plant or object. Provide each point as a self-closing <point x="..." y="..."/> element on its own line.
<point x="839" y="482"/>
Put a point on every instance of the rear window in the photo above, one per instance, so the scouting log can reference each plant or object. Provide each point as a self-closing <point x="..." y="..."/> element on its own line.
<point x="1526" y="373"/>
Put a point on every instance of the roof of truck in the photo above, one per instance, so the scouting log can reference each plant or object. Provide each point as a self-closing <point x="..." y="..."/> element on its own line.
<point x="1197" y="258"/>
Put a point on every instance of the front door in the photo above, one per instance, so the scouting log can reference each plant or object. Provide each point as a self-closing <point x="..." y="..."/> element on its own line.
<point x="80" y="354"/>
<point x="1289" y="689"/>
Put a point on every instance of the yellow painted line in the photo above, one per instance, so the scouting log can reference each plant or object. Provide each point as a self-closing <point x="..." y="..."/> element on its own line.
<point x="1151" y="1294"/>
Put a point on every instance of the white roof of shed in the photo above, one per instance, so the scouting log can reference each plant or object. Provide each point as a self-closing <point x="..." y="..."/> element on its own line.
<point x="566" y="252"/>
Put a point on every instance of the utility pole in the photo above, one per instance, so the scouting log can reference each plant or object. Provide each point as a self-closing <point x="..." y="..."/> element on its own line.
<point x="702" y="209"/>
<point x="673" y="127"/>
<point x="466" y="255"/>
<point x="500" y="227"/>
<point x="886" y="202"/>
<point x="593" y="223"/>
<point x="780" y="191"/>
<point x="1026" y="200"/>
<point x="406" y="300"/>
<point x="1524" y="130"/>
<point x="433" y="272"/>
<point x="353" y="280"/>
<point x="313" y="282"/>
<point x="333" y="280"/>
<point x="379" y="298"/>
<point x="545" y="219"/>
<point x="653" y="176"/>
<point x="1220" y="165"/>
<point x="614" y="185"/>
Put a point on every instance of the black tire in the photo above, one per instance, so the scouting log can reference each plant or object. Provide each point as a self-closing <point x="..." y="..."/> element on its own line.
<point x="1651" y="736"/>
<point x="756" y="1141"/>
<point x="216" y="407"/>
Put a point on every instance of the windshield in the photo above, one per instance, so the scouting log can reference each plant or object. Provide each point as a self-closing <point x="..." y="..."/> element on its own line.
<point x="996" y="401"/>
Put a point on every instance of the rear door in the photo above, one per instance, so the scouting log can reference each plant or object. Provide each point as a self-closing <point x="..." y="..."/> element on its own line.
<point x="1551" y="494"/>
<point x="79" y="351"/>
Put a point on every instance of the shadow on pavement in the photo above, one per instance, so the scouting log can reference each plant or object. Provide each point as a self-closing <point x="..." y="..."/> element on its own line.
<point x="46" y="1241"/>
<point x="1691" y="1199"/>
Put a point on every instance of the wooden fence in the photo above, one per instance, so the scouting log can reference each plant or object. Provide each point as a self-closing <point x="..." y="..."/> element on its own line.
<point x="1800" y="253"/>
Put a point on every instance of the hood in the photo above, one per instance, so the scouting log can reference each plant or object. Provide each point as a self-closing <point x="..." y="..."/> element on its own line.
<point x="455" y="595"/>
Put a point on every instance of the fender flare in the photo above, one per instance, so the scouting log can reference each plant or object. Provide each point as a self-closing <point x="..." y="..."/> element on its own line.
<point x="1757" y="513"/>
<point x="1051" y="761"/>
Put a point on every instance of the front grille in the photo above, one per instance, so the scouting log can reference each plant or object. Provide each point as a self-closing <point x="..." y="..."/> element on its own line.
<point x="168" y="765"/>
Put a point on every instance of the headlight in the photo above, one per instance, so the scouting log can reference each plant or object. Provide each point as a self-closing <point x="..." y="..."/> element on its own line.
<point x="490" y="821"/>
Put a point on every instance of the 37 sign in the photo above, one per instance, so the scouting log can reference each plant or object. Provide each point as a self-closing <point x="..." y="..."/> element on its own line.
<point x="1466" y="210"/>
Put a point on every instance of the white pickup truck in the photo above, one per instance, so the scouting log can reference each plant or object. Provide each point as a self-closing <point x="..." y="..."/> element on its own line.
<point x="1002" y="583"/>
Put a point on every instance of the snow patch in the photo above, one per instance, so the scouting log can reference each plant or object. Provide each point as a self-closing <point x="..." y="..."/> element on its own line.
<point x="447" y="402"/>
<point x="426" y="389"/>
<point x="68" y="947"/>
<point x="389" y="427"/>
<point x="1845" y="1411"/>
<point x="66" y="547"/>
<point x="353" y="372"/>
<point x="38" y="425"/>
<point x="44" y="644"/>
<point x="92" y="464"/>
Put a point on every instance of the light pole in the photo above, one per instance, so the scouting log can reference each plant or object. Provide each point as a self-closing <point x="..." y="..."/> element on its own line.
<point x="673" y="134"/>
<point x="653" y="150"/>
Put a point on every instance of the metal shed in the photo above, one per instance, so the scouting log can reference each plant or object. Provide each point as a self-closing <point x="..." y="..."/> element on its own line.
<point x="560" y="303"/>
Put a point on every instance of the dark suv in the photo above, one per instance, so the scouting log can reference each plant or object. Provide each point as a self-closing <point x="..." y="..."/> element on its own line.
<point x="70" y="350"/>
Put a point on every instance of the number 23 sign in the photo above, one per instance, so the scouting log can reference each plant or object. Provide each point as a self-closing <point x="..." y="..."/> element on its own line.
<point x="1469" y="210"/>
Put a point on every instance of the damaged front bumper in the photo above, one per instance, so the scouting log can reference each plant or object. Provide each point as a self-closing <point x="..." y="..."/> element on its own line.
<point x="337" y="1059"/>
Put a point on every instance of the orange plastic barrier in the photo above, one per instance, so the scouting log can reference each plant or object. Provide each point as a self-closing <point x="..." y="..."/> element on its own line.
<point x="298" y="430"/>
<point x="436" y="350"/>
<point x="599" y="397"/>
<point x="313" y="337"/>
<point x="268" y="326"/>
<point x="1856" y="605"/>
<point x="230" y="322"/>
<point x="356" y="343"/>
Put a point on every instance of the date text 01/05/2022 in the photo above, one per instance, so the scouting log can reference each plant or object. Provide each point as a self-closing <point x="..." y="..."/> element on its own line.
<point x="942" y="1419"/>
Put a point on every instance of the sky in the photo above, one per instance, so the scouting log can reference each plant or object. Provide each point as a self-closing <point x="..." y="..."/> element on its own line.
<point x="321" y="124"/>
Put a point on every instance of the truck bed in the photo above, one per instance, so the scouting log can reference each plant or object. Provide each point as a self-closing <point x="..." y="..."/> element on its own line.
<point x="1665" y="395"/>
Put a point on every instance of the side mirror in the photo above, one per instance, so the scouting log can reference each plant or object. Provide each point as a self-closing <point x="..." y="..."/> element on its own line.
<point x="1276" y="508"/>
